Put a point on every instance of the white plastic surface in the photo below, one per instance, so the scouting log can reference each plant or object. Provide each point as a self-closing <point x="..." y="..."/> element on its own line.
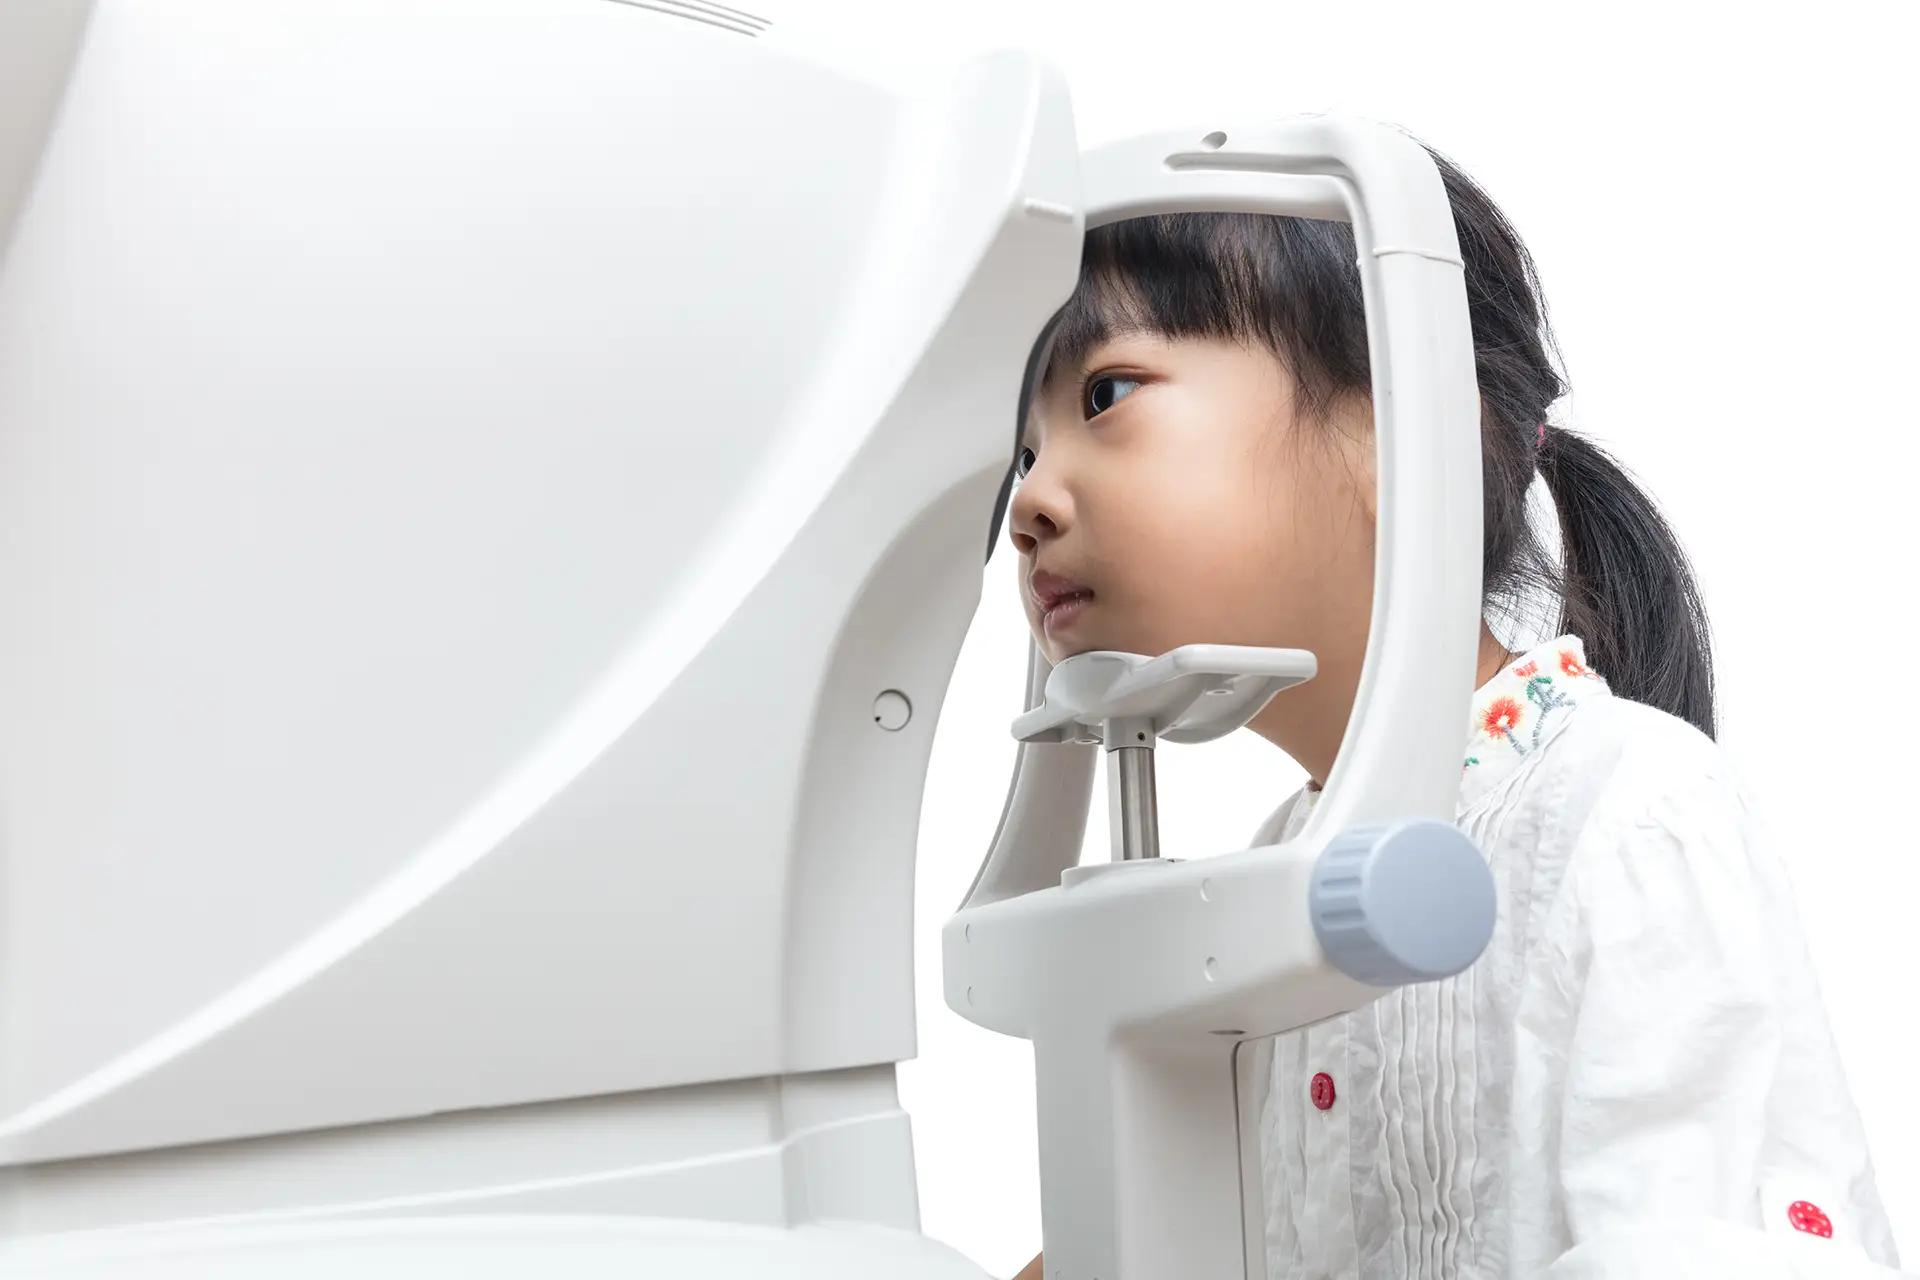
<point x="38" y="41"/>
<point x="581" y="1248"/>
<point x="1044" y="820"/>
<point x="1195" y="693"/>
<point x="824" y="1147"/>
<point x="1135" y="985"/>
<point x="455" y="525"/>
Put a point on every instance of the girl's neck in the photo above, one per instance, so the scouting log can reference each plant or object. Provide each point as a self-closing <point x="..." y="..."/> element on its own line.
<point x="1308" y="722"/>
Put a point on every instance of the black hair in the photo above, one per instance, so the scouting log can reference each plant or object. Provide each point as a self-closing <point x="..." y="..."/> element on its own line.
<point x="1292" y="284"/>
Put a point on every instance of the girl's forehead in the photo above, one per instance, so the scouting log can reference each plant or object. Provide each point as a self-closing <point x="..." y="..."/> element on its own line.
<point x="1100" y="309"/>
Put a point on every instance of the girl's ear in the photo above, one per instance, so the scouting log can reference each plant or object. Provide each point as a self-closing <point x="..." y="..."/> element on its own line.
<point x="1368" y="467"/>
<point x="1354" y="432"/>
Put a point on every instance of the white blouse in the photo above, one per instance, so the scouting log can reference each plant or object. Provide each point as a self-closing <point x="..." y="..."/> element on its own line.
<point x="1643" y="1041"/>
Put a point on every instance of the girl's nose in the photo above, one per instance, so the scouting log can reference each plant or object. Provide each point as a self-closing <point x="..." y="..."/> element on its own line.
<point x="1039" y="512"/>
<point x="1025" y="543"/>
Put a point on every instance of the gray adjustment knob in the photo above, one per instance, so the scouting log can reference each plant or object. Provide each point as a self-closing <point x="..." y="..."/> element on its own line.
<point x="1401" y="902"/>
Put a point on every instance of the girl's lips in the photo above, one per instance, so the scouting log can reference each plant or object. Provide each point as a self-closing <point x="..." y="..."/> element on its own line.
<point x="1048" y="589"/>
<point x="1064" y="612"/>
<point x="1060" y="600"/>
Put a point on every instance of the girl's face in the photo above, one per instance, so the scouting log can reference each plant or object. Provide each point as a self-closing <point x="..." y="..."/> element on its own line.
<point x="1172" y="498"/>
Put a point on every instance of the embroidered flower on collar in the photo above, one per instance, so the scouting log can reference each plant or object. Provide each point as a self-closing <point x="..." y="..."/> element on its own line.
<point x="1513" y="712"/>
<point x="1500" y="718"/>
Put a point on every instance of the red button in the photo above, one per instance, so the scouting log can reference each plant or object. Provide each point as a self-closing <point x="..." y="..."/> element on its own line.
<point x="1322" y="1091"/>
<point x="1808" y="1218"/>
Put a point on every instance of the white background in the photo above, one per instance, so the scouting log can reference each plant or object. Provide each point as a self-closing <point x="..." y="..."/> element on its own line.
<point x="1721" y="202"/>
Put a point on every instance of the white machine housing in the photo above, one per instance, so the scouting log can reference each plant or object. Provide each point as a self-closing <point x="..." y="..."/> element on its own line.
<point x="467" y="474"/>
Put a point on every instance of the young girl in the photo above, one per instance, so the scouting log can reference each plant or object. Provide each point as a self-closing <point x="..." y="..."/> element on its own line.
<point x="1643" y="1041"/>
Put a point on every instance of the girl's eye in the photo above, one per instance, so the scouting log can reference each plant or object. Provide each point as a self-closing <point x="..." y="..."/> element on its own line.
<point x="1025" y="463"/>
<point x="1105" y="392"/>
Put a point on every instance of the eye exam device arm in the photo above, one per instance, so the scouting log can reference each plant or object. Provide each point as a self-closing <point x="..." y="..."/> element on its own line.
<point x="1137" y="980"/>
<point x="491" y="497"/>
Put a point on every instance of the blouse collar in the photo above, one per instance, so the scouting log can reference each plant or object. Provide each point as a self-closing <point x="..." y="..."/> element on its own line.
<point x="1516" y="713"/>
<point x="1521" y="708"/>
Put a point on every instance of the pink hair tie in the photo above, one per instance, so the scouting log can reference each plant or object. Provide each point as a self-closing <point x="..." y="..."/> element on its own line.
<point x="1541" y="443"/>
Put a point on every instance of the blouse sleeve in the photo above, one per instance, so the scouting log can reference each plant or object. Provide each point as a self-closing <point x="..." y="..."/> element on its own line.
<point x="1673" y="1061"/>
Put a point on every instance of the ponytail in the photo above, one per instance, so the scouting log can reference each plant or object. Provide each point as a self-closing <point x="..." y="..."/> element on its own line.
<point x="1627" y="589"/>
